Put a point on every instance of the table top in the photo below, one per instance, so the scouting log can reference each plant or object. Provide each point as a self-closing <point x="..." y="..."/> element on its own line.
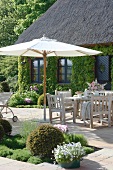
<point x="87" y="98"/>
<point x="78" y="98"/>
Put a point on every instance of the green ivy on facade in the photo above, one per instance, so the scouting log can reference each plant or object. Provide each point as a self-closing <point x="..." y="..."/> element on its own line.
<point x="83" y="71"/>
<point x="23" y="73"/>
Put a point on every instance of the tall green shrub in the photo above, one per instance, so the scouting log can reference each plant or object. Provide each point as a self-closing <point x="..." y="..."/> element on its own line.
<point x="51" y="74"/>
<point x="23" y="73"/>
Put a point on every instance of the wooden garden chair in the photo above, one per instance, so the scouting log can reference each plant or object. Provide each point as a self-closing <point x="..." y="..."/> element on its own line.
<point x="57" y="104"/>
<point x="65" y="93"/>
<point x="101" y="108"/>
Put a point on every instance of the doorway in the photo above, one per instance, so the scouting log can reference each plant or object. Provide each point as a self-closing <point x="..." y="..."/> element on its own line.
<point x="102" y="70"/>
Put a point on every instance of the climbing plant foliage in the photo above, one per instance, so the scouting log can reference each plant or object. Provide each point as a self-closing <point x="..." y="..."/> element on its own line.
<point x="23" y="73"/>
<point x="83" y="71"/>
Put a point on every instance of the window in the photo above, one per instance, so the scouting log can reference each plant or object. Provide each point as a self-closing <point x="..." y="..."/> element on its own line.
<point x="37" y="70"/>
<point x="64" y="70"/>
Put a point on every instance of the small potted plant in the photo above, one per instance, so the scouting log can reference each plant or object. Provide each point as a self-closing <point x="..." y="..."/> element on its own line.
<point x="69" y="155"/>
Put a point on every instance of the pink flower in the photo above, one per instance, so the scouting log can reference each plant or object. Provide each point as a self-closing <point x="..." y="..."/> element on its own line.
<point x="63" y="128"/>
<point x="93" y="83"/>
<point x="33" y="88"/>
<point x="27" y="100"/>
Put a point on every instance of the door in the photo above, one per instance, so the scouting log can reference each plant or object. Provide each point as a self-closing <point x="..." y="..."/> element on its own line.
<point x="102" y="70"/>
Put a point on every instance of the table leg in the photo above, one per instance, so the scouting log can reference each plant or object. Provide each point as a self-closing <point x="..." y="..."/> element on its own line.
<point x="75" y="111"/>
<point x="112" y="111"/>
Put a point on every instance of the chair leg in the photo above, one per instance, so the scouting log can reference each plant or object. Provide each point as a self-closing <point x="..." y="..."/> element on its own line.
<point x="60" y="116"/>
<point x="109" y="120"/>
<point x="50" y="117"/>
<point x="63" y="117"/>
<point x="74" y="117"/>
<point x="112" y="112"/>
<point x="80" y="106"/>
<point x="75" y="111"/>
<point x="1" y="116"/>
<point x="101" y="117"/>
<point x="91" y="121"/>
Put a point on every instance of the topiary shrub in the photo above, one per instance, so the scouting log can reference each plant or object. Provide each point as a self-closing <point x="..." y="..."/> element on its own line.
<point x="2" y="133"/>
<point x="5" y="86"/>
<point x="41" y="100"/>
<point x="7" y="126"/>
<point x="43" y="140"/>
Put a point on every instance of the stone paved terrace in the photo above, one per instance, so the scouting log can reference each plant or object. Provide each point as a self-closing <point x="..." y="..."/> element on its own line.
<point x="101" y="137"/>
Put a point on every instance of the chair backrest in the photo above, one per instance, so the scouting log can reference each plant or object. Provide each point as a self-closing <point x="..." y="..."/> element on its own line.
<point x="65" y="93"/>
<point x="101" y="104"/>
<point x="102" y="93"/>
<point x="55" y="102"/>
<point x="68" y="102"/>
<point x="88" y="93"/>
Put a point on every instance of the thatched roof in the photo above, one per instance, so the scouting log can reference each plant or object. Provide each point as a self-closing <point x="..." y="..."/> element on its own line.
<point x="78" y="22"/>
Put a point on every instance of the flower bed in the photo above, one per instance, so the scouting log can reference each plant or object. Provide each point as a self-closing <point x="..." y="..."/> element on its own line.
<point x="14" y="147"/>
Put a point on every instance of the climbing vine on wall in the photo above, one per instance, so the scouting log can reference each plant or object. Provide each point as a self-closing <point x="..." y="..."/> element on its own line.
<point x="82" y="71"/>
<point x="23" y="73"/>
<point x="51" y="79"/>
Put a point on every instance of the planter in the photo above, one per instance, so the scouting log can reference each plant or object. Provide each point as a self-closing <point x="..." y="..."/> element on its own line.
<point x="71" y="165"/>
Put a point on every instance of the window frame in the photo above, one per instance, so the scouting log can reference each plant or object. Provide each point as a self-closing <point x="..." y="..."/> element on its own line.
<point x="66" y="74"/>
<point x="38" y="74"/>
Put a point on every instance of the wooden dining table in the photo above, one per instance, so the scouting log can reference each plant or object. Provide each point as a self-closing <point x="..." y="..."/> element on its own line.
<point x="79" y="99"/>
<point x="76" y="101"/>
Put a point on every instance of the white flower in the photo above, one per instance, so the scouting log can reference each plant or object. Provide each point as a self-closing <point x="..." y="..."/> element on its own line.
<point x="68" y="152"/>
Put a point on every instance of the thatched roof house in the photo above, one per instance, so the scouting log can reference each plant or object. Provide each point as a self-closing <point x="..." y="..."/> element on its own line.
<point x="78" y="22"/>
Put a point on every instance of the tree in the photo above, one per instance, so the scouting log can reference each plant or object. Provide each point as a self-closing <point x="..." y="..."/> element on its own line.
<point x="30" y="11"/>
<point x="7" y="23"/>
<point x="15" y="17"/>
<point x="27" y="13"/>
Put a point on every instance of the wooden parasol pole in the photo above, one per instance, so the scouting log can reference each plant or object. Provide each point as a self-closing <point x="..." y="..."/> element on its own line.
<point x="44" y="87"/>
